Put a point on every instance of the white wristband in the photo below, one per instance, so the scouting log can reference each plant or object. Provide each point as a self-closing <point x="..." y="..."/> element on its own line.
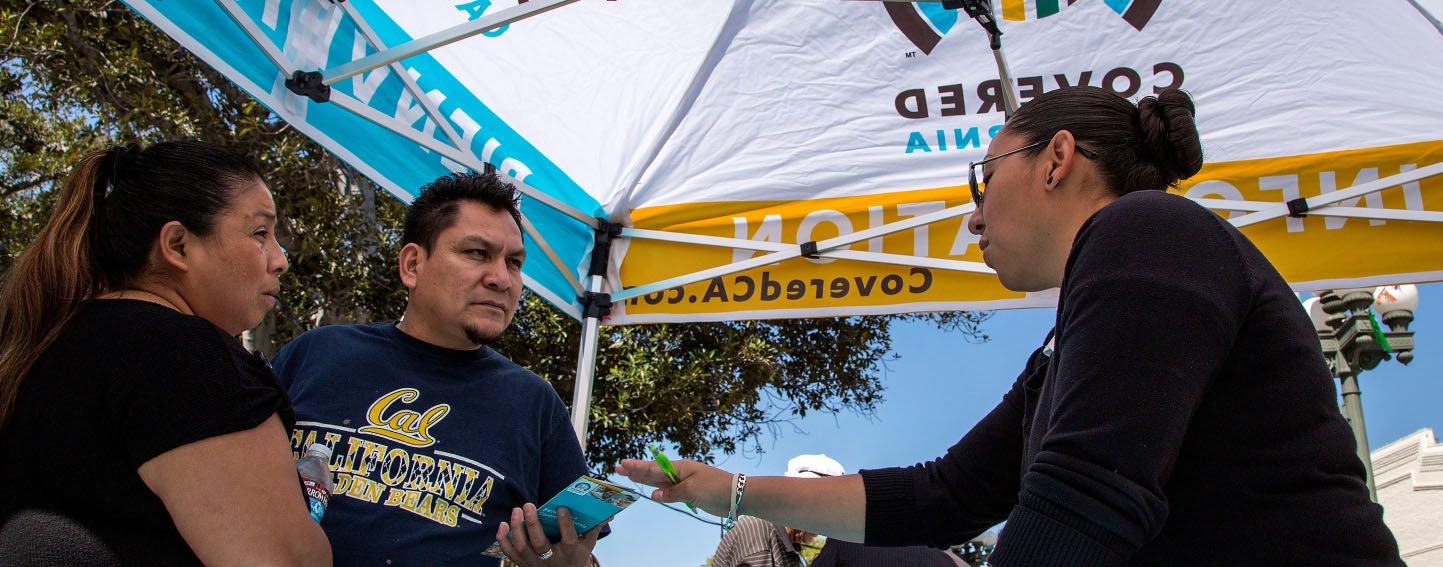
<point x="739" y="483"/>
<point x="732" y="502"/>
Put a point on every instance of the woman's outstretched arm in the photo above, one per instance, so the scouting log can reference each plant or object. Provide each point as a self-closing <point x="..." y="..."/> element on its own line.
<point x="834" y="506"/>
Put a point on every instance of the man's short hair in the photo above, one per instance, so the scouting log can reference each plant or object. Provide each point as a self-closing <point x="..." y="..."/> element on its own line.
<point x="435" y="209"/>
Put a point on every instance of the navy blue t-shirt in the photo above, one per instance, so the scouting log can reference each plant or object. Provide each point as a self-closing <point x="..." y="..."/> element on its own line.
<point x="433" y="447"/>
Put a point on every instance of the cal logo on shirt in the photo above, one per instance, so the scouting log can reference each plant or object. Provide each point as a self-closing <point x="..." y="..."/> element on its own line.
<point x="403" y="425"/>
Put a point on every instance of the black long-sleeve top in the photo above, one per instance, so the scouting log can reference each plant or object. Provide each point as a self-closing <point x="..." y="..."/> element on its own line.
<point x="1186" y="416"/>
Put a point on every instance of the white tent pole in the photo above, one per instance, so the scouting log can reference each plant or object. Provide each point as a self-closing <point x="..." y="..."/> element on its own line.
<point x="1004" y="74"/>
<point x="277" y="57"/>
<point x="628" y="293"/>
<point x="1376" y="214"/>
<point x="1427" y="15"/>
<point x="429" y="105"/>
<point x="596" y="304"/>
<point x="843" y="240"/>
<point x="1282" y="210"/>
<point x="1232" y="205"/>
<point x="905" y="260"/>
<point x="456" y="154"/>
<point x="586" y="368"/>
<point x="441" y="38"/>
<point x="705" y="240"/>
<point x="462" y="157"/>
<point x="981" y="10"/>
<point x="1327" y="210"/>
<point x="551" y="254"/>
<point x="822" y="250"/>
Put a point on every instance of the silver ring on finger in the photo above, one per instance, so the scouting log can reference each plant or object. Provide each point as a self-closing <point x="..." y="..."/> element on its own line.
<point x="547" y="555"/>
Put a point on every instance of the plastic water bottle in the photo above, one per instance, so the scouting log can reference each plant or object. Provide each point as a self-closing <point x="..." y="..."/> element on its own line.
<point x="316" y="479"/>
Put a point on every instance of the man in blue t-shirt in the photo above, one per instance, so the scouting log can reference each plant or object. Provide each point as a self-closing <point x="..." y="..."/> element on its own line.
<point x="441" y="445"/>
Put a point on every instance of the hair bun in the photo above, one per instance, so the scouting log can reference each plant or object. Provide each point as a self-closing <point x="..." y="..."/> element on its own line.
<point x="1169" y="133"/>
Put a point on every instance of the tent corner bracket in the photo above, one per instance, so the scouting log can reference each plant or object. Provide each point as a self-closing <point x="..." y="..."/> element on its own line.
<point x="1298" y="208"/>
<point x="309" y="84"/>
<point x="809" y="250"/>
<point x="980" y="10"/>
<point x="595" y="305"/>
<point x="601" y="249"/>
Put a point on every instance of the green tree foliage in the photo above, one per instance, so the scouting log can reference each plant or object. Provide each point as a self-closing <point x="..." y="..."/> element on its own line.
<point x="716" y="388"/>
<point x="78" y="75"/>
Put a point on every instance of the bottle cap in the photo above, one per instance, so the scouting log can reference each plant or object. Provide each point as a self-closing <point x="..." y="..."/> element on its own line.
<point x="319" y="449"/>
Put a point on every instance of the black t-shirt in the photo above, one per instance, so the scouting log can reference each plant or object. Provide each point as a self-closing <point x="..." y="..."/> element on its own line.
<point x="125" y="382"/>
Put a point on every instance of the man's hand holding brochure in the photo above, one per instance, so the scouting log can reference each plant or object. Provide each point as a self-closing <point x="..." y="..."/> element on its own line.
<point x="589" y="502"/>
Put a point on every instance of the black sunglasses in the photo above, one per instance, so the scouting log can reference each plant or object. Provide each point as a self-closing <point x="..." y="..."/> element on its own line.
<point x="976" y="166"/>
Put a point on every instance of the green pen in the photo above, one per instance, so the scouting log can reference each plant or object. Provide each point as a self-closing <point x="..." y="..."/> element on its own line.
<point x="670" y="470"/>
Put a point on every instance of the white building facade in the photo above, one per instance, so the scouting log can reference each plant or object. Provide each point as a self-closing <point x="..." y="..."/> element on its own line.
<point x="1409" y="476"/>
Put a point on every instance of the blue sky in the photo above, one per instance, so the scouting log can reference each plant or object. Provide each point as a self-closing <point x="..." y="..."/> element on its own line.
<point x="942" y="385"/>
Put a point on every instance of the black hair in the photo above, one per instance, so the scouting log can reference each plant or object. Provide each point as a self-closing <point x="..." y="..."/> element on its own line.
<point x="435" y="209"/>
<point x="100" y="234"/>
<point x="188" y="181"/>
<point x="1148" y="146"/>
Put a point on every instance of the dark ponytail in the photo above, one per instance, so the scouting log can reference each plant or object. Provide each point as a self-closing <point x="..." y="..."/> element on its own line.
<point x="107" y="217"/>
<point x="1149" y="146"/>
<point x="49" y="279"/>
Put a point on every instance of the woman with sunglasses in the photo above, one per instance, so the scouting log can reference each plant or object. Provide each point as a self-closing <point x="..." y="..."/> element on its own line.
<point x="1180" y="411"/>
<point x="134" y="428"/>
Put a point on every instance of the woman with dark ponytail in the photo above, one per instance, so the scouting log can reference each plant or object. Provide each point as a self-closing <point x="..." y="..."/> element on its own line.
<point x="126" y="403"/>
<point x="1180" y="411"/>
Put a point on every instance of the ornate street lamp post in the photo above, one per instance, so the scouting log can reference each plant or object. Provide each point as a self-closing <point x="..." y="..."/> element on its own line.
<point x="1353" y="342"/>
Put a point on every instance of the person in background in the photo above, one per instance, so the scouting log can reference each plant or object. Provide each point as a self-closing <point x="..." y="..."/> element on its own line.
<point x="442" y="445"/>
<point x="754" y="542"/>
<point x="1179" y="412"/>
<point x="128" y="410"/>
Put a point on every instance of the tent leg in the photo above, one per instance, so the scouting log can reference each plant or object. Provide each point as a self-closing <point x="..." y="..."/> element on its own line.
<point x="586" y="369"/>
<point x="596" y="305"/>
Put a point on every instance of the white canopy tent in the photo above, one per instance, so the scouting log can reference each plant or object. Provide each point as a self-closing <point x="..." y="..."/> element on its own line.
<point x="735" y="159"/>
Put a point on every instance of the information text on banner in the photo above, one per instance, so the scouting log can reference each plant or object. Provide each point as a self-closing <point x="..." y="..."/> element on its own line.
<point x="829" y="286"/>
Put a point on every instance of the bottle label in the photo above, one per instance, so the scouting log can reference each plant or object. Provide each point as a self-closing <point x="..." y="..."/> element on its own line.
<point x="317" y="497"/>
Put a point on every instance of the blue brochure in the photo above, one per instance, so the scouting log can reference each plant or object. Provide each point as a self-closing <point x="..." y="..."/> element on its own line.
<point x="590" y="501"/>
